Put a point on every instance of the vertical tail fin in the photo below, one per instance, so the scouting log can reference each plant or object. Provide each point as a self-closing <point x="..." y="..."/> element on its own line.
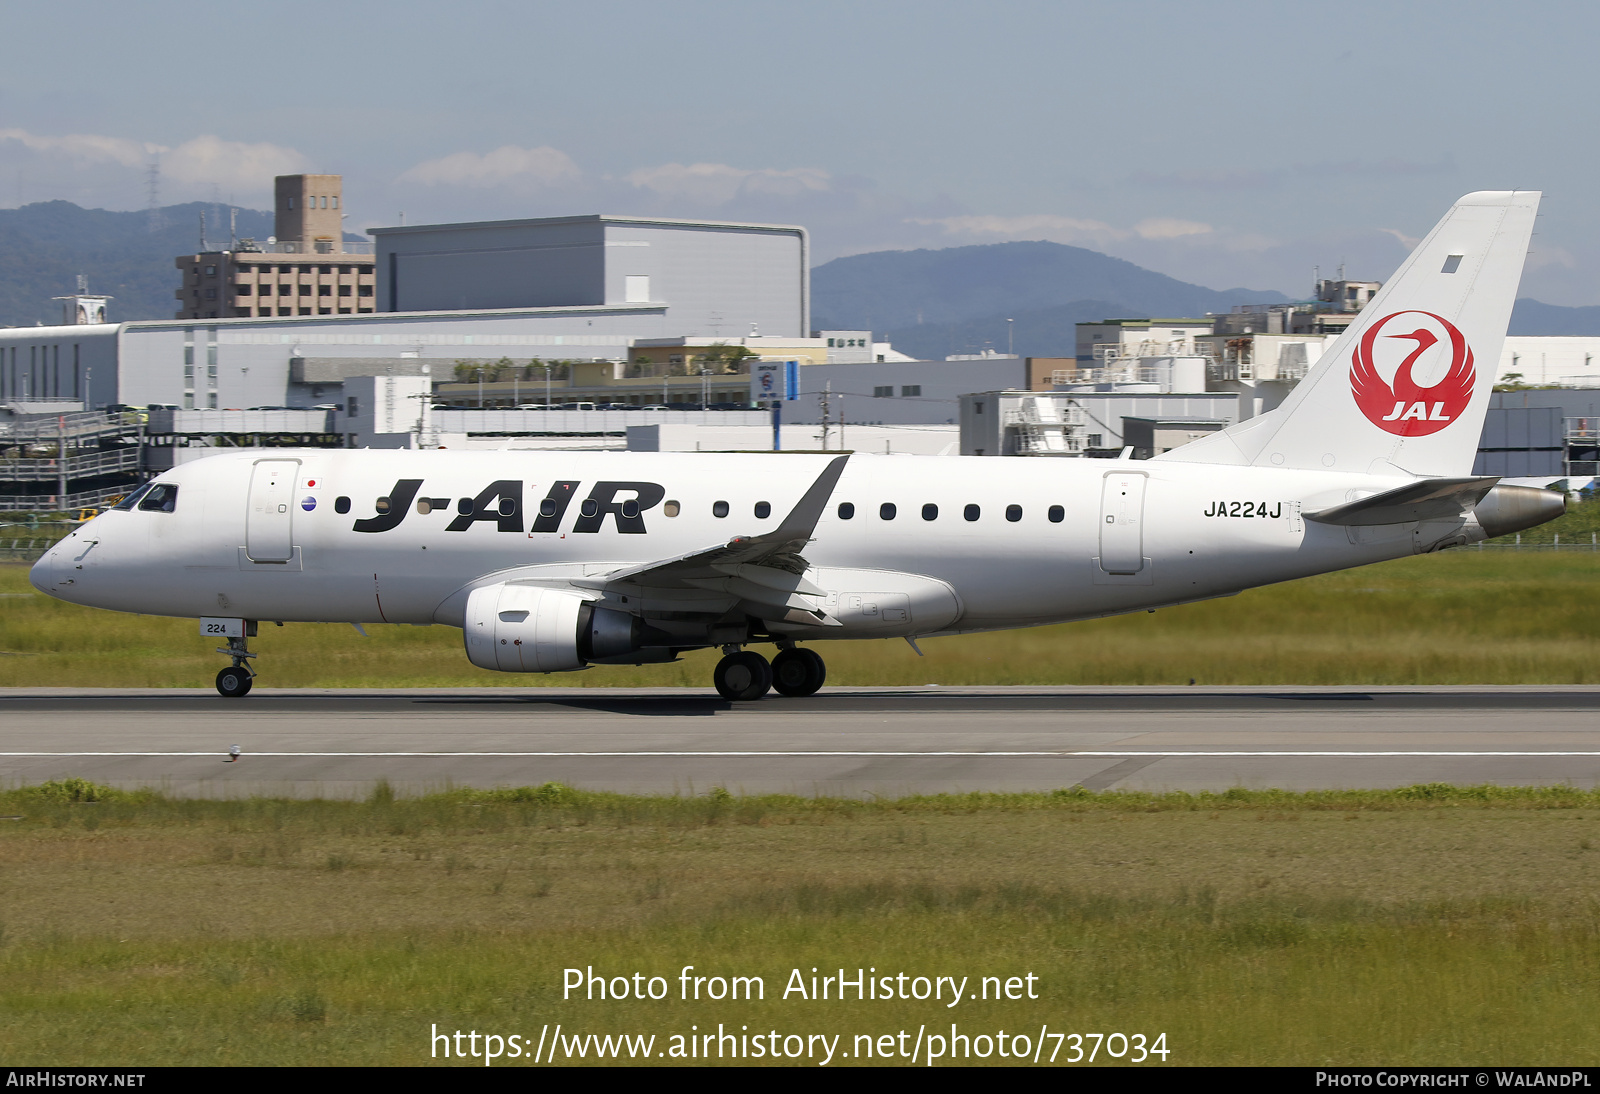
<point x="1404" y="389"/>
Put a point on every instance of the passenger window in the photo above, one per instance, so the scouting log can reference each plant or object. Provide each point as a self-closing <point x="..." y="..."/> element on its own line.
<point x="719" y="509"/>
<point x="670" y="509"/>
<point x="763" y="510"/>
<point x="630" y="508"/>
<point x="381" y="505"/>
<point x="1013" y="513"/>
<point x="424" y="506"/>
<point x="971" y="512"/>
<point x="162" y="498"/>
<point x="341" y="504"/>
<point x="846" y="510"/>
<point x="930" y="512"/>
<point x="886" y="511"/>
<point x="547" y="507"/>
<point x="464" y="506"/>
<point x="589" y="508"/>
<point x="508" y="506"/>
<point x="1057" y="514"/>
<point x="134" y="498"/>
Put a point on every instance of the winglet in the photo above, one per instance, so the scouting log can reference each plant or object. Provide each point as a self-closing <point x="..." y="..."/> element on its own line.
<point x="779" y="548"/>
<point x="802" y="519"/>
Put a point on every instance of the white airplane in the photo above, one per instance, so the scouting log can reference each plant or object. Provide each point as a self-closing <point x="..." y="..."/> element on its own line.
<point x="553" y="561"/>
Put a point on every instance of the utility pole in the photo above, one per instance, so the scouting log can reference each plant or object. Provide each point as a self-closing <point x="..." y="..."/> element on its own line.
<point x="1011" y="345"/>
<point x="61" y="459"/>
<point x="822" y="401"/>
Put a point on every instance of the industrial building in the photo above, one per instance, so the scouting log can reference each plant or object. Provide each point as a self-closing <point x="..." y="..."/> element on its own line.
<point x="718" y="278"/>
<point x="1086" y="423"/>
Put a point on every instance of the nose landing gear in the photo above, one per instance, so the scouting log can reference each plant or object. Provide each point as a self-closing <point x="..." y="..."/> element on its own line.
<point x="235" y="681"/>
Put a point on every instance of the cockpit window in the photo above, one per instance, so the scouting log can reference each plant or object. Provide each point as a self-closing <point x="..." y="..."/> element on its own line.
<point x="133" y="499"/>
<point x="162" y="498"/>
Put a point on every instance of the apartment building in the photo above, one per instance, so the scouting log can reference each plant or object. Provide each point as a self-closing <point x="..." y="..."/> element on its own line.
<point x="306" y="268"/>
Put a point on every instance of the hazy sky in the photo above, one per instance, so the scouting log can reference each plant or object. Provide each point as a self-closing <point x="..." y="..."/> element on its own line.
<point x="1228" y="143"/>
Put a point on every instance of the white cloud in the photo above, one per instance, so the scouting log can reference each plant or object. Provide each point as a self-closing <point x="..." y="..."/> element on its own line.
<point x="1548" y="255"/>
<point x="85" y="147"/>
<point x="230" y="163"/>
<point x="507" y="165"/>
<point x="1408" y="242"/>
<point x="719" y="183"/>
<point x="1057" y="229"/>
<point x="1170" y="228"/>
<point x="1060" y="229"/>
<point x="205" y="159"/>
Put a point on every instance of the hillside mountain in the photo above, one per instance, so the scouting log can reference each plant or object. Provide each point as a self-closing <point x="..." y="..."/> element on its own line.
<point x="928" y="303"/>
<point x="931" y="304"/>
<point x="893" y="290"/>
<point x="44" y="246"/>
<point x="1530" y="317"/>
<point x="1041" y="332"/>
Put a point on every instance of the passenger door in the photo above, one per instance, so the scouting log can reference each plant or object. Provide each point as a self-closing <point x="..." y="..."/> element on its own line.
<point x="269" y="524"/>
<point x="1122" y="523"/>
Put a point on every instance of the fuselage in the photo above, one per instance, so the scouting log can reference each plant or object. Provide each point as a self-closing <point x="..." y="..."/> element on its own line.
<point x="934" y="544"/>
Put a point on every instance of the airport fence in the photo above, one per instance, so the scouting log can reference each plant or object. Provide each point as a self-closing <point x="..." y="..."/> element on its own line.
<point x="24" y="550"/>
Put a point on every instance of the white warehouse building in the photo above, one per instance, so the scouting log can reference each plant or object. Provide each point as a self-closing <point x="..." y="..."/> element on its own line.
<point x="572" y="288"/>
<point x="718" y="278"/>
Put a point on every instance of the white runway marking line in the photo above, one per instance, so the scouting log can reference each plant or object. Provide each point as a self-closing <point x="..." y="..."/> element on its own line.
<point x="1057" y="754"/>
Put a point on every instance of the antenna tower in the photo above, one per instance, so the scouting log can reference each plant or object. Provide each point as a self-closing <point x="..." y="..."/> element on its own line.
<point x="152" y="194"/>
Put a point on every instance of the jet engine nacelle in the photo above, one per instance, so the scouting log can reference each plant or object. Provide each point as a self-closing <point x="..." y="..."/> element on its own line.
<point x="1507" y="509"/>
<point x="528" y="628"/>
<point x="523" y="628"/>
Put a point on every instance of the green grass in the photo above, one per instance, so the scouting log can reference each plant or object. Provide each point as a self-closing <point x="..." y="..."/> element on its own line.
<point x="1460" y="617"/>
<point x="1422" y="926"/>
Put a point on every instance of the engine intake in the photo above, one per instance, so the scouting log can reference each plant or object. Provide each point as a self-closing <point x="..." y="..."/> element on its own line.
<point x="527" y="628"/>
<point x="523" y="628"/>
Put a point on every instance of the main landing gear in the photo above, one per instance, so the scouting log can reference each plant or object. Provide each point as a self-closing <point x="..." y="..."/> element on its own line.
<point x="743" y="676"/>
<point x="235" y="681"/>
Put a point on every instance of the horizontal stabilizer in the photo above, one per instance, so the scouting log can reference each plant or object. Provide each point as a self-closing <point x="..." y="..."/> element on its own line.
<point x="1428" y="499"/>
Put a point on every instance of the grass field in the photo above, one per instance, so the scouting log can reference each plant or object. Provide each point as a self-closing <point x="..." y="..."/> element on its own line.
<point x="1466" y="616"/>
<point x="1421" y="926"/>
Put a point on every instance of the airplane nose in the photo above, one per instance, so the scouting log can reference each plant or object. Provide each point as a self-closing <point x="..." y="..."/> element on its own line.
<point x="42" y="575"/>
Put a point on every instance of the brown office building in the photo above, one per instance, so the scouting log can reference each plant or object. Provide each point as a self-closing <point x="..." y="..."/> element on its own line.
<point x="305" y="269"/>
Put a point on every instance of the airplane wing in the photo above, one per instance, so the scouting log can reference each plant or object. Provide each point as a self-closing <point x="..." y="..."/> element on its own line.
<point x="764" y="574"/>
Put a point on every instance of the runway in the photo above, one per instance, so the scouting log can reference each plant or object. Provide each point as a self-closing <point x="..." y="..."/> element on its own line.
<point x="846" y="741"/>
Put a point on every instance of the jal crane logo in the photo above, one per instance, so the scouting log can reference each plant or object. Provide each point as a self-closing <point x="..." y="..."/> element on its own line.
<point x="1437" y="351"/>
